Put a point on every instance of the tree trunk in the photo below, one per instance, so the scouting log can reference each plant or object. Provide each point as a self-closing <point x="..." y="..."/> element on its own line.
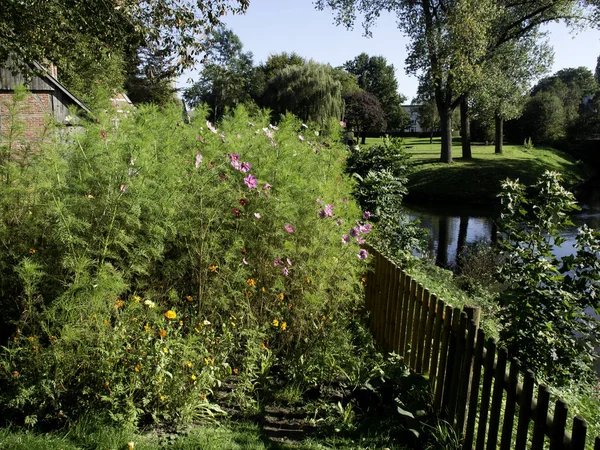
<point x="364" y="139"/>
<point x="499" y="135"/>
<point x="446" y="128"/>
<point x="431" y="136"/>
<point x="441" y="257"/>
<point x="465" y="128"/>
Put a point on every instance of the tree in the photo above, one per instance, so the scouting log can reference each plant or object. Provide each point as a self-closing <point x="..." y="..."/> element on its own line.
<point x="544" y="118"/>
<point x="374" y="75"/>
<point x="597" y="71"/>
<point x="428" y="117"/>
<point x="364" y="113"/>
<point x="502" y="94"/>
<point x="224" y="82"/>
<point x="544" y="317"/>
<point x="309" y="91"/>
<point x="149" y="78"/>
<point x="571" y="86"/>
<point x="67" y="32"/>
<point x="451" y="40"/>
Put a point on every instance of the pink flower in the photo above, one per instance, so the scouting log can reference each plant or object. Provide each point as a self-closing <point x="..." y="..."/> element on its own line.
<point x="200" y="138"/>
<point x="360" y="240"/>
<point x="289" y="228"/>
<point x="198" y="160"/>
<point x="322" y="214"/>
<point x="345" y="239"/>
<point x="276" y="262"/>
<point x="366" y="215"/>
<point x="233" y="156"/>
<point x="354" y="231"/>
<point x="257" y="215"/>
<point x="284" y="272"/>
<point x="244" y="261"/>
<point x="342" y="123"/>
<point x="103" y="134"/>
<point x="250" y="181"/>
<point x="245" y="167"/>
<point x="236" y="212"/>
<point x="273" y="127"/>
<point x="362" y="254"/>
<point x="329" y="210"/>
<point x="301" y="137"/>
<point x="238" y="136"/>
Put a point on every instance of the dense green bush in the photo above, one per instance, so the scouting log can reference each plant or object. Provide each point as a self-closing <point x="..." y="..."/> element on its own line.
<point x="144" y="260"/>
<point x="381" y="172"/>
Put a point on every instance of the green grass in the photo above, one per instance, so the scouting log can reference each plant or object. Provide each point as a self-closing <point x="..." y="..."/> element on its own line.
<point x="478" y="180"/>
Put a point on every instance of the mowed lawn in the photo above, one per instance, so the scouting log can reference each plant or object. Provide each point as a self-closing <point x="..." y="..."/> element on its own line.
<point x="478" y="180"/>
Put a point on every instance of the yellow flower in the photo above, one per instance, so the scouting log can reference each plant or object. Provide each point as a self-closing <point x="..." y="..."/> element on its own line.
<point x="162" y="333"/>
<point x="181" y="323"/>
<point x="209" y="361"/>
<point x="162" y="397"/>
<point x="189" y="364"/>
<point x="118" y="303"/>
<point x="31" y="338"/>
<point x="165" y="349"/>
<point x="190" y="298"/>
<point x="137" y="368"/>
<point x="251" y="282"/>
<point x="283" y="325"/>
<point x="170" y="314"/>
<point x="52" y="338"/>
<point x="308" y="280"/>
<point x="193" y="377"/>
<point x="249" y="294"/>
<point x="262" y="289"/>
<point x="105" y="322"/>
<point x="136" y="298"/>
<point x="213" y="268"/>
<point x="146" y="327"/>
<point x="130" y="445"/>
<point x="32" y="250"/>
<point x="281" y="295"/>
<point x="275" y="322"/>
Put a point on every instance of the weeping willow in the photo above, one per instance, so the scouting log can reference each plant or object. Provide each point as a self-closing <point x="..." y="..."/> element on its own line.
<point x="309" y="91"/>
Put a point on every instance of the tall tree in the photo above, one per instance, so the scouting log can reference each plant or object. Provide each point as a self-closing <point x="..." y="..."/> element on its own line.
<point x="502" y="93"/>
<point x="376" y="76"/>
<point x="309" y="91"/>
<point x="363" y="112"/>
<point x="451" y="39"/>
<point x="226" y="76"/>
<point x="597" y="71"/>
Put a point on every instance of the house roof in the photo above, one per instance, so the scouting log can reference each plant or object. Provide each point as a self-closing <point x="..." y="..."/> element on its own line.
<point x="57" y="85"/>
<point x="42" y="81"/>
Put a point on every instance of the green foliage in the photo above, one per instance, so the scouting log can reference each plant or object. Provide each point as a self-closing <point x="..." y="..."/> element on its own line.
<point x="146" y="260"/>
<point x="545" y="298"/>
<point x="374" y="75"/>
<point x="363" y="113"/>
<point x="544" y="119"/>
<point x="381" y="172"/>
<point x="309" y="91"/>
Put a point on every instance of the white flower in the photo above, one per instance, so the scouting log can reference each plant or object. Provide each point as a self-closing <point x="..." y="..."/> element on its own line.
<point x="206" y="322"/>
<point x="149" y="303"/>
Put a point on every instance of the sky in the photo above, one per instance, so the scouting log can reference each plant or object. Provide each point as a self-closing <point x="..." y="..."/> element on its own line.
<point x="275" y="26"/>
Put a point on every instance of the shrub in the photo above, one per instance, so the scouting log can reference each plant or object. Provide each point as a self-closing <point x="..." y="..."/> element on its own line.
<point x="148" y="259"/>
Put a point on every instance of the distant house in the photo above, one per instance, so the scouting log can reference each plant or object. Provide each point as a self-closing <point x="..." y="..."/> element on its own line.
<point x="48" y="98"/>
<point x="413" y="125"/>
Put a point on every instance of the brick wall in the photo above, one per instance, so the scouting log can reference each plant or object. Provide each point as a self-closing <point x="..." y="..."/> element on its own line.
<point x="35" y="112"/>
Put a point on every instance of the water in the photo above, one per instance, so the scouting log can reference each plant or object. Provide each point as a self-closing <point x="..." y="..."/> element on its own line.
<point x="452" y="227"/>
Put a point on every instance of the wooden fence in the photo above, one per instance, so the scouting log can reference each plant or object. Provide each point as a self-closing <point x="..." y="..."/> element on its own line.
<point x="465" y="370"/>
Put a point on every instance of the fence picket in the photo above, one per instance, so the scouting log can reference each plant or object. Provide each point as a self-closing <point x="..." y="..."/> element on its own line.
<point x="439" y="385"/>
<point x="488" y="374"/>
<point x="559" y="422"/>
<point x="429" y="331"/>
<point x="437" y="334"/>
<point x="525" y="410"/>
<point x="418" y="301"/>
<point x="405" y="313"/>
<point x="511" y="400"/>
<point x="540" y="415"/>
<point x="400" y="312"/>
<point x="497" y="396"/>
<point x="422" y="329"/>
<point x="464" y="378"/>
<point x="474" y="398"/>
<point x="578" y="434"/>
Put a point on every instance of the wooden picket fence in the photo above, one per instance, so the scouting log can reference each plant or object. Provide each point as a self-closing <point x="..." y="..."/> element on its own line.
<point x="465" y="370"/>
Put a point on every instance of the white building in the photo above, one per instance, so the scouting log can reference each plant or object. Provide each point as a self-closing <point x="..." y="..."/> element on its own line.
<point x="413" y="125"/>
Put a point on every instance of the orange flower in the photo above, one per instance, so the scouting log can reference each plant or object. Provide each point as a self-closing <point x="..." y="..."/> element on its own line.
<point x="190" y="298"/>
<point x="15" y="374"/>
<point x="118" y="303"/>
<point x="162" y="333"/>
<point x="170" y="314"/>
<point x="137" y="368"/>
<point x="213" y="268"/>
<point x="251" y="282"/>
<point x="32" y="251"/>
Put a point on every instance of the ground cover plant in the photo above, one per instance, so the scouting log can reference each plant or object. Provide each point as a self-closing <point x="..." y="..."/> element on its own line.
<point x="145" y="260"/>
<point x="478" y="180"/>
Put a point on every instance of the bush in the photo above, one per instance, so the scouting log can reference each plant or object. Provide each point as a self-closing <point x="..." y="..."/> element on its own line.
<point x="146" y="260"/>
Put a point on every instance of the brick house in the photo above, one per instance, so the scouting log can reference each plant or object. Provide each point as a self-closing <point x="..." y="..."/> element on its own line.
<point x="47" y="98"/>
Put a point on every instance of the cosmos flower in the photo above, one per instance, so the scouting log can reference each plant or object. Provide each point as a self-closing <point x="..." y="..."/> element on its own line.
<point x="362" y="254"/>
<point x="250" y="181"/>
<point x="289" y="228"/>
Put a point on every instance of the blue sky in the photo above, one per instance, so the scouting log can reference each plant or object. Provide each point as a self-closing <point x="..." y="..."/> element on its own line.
<point x="274" y="26"/>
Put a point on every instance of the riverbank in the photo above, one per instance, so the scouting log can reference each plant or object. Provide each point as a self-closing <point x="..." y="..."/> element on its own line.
<point x="477" y="181"/>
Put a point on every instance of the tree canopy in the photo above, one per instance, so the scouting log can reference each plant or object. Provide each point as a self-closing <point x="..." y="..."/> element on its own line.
<point x="375" y="75"/>
<point x="450" y="41"/>
<point x="363" y="112"/>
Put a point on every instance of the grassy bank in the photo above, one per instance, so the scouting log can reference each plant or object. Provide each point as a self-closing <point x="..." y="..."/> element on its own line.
<point x="478" y="180"/>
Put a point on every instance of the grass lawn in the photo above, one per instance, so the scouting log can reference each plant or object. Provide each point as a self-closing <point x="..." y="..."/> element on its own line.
<point x="478" y="180"/>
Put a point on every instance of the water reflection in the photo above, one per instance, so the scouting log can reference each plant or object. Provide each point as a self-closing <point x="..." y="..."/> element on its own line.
<point x="452" y="227"/>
